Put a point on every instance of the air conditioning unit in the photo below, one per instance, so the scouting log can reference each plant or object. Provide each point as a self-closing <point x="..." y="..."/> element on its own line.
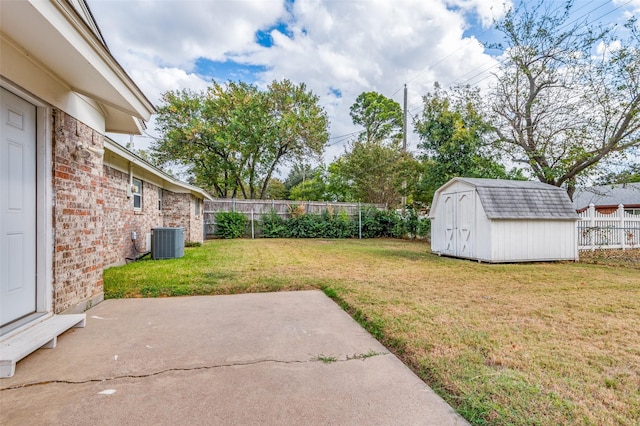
<point x="167" y="243"/>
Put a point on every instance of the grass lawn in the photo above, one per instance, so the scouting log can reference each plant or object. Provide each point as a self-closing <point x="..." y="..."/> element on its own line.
<point x="544" y="343"/>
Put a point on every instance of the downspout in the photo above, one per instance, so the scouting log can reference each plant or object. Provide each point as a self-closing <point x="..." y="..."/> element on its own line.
<point x="130" y="186"/>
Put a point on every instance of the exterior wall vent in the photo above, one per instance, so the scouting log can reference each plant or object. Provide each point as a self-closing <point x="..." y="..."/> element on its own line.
<point x="167" y="243"/>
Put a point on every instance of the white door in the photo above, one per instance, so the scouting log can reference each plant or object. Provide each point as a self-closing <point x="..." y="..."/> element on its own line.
<point x="459" y="213"/>
<point x="17" y="208"/>
<point x="450" y="223"/>
<point x="464" y="219"/>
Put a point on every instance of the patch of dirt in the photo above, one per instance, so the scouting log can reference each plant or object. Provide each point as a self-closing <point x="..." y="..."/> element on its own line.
<point x="619" y="258"/>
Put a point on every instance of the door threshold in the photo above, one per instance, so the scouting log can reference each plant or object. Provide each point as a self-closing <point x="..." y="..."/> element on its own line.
<point x="19" y="324"/>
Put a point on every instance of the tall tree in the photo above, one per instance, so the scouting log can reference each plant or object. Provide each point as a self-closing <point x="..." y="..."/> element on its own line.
<point x="630" y="174"/>
<point x="232" y="138"/>
<point x="374" y="166"/>
<point x="312" y="187"/>
<point x="375" y="172"/>
<point x="454" y="140"/>
<point x="299" y="173"/>
<point x="568" y="93"/>
<point x="297" y="127"/>
<point x="276" y="190"/>
<point x="380" y="116"/>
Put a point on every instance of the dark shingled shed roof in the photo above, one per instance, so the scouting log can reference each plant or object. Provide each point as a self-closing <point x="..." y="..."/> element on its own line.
<point x="512" y="199"/>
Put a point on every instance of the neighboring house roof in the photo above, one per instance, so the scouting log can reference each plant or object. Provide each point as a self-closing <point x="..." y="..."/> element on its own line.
<point x="114" y="152"/>
<point x="627" y="194"/>
<point x="62" y="39"/>
<point x="512" y="199"/>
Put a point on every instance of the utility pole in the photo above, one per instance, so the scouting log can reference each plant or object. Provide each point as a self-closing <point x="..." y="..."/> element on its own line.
<point x="404" y="122"/>
<point x="404" y="143"/>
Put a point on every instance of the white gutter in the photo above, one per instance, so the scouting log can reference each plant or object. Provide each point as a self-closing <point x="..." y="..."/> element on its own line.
<point x="133" y="159"/>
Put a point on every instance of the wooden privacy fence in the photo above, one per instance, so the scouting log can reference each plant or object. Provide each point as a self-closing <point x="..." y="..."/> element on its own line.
<point x="618" y="230"/>
<point x="255" y="209"/>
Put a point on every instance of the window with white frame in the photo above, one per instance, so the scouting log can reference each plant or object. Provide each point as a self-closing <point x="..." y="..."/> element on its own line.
<point x="136" y="191"/>
<point x="197" y="204"/>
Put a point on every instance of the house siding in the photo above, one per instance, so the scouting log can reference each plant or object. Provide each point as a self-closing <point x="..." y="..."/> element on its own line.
<point x="77" y="214"/>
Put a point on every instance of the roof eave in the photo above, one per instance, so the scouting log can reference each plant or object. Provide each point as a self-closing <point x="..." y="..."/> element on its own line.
<point x="117" y="149"/>
<point x="63" y="42"/>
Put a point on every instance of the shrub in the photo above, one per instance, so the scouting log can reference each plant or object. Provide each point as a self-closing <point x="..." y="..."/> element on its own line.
<point x="274" y="226"/>
<point x="339" y="225"/>
<point x="408" y="224"/>
<point x="305" y="226"/>
<point x="379" y="223"/>
<point x="424" y="228"/>
<point x="230" y="224"/>
<point x="296" y="210"/>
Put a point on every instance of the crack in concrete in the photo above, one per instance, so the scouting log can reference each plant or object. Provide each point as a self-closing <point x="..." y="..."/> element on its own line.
<point x="205" y="367"/>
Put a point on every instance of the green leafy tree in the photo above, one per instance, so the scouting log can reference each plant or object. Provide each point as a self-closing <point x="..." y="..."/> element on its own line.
<point x="339" y="187"/>
<point x="375" y="172"/>
<point x="276" y="190"/>
<point x="374" y="166"/>
<point x="299" y="173"/>
<point x="568" y="93"/>
<point x="453" y="138"/>
<point x="380" y="116"/>
<point x="232" y="138"/>
<point x="312" y="188"/>
<point x="629" y="175"/>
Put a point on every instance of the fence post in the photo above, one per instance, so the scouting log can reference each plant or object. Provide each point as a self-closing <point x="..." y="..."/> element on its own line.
<point x="622" y="231"/>
<point x="253" y="235"/>
<point x="359" y="221"/>
<point x="592" y="225"/>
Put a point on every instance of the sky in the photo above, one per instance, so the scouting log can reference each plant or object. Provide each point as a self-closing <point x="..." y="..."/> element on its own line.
<point x="338" y="48"/>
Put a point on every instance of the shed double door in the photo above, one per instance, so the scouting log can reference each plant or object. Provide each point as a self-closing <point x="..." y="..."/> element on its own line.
<point x="459" y="213"/>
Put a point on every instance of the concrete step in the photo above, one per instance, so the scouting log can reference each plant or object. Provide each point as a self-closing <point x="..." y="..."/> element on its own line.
<point x="41" y="335"/>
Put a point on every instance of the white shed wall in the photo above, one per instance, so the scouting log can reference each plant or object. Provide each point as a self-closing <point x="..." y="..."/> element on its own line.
<point x="483" y="231"/>
<point x="532" y="240"/>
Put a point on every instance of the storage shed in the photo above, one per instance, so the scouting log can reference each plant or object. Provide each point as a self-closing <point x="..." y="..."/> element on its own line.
<point x="493" y="220"/>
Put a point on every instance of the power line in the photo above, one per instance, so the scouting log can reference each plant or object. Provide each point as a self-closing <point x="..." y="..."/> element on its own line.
<point x="347" y="134"/>
<point x="439" y="61"/>
<point x="483" y="69"/>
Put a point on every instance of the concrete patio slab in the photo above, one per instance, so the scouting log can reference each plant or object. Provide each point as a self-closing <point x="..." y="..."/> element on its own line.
<point x="239" y="359"/>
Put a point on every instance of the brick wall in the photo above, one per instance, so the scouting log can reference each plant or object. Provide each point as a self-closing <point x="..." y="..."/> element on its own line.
<point x="196" y="221"/>
<point x="94" y="218"/>
<point x="121" y="220"/>
<point x="179" y="211"/>
<point x="77" y="214"/>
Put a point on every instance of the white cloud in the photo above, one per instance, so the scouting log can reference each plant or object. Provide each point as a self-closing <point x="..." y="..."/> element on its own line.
<point x="486" y="10"/>
<point x="606" y="49"/>
<point x="632" y="7"/>
<point x="176" y="32"/>
<point x="348" y="46"/>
